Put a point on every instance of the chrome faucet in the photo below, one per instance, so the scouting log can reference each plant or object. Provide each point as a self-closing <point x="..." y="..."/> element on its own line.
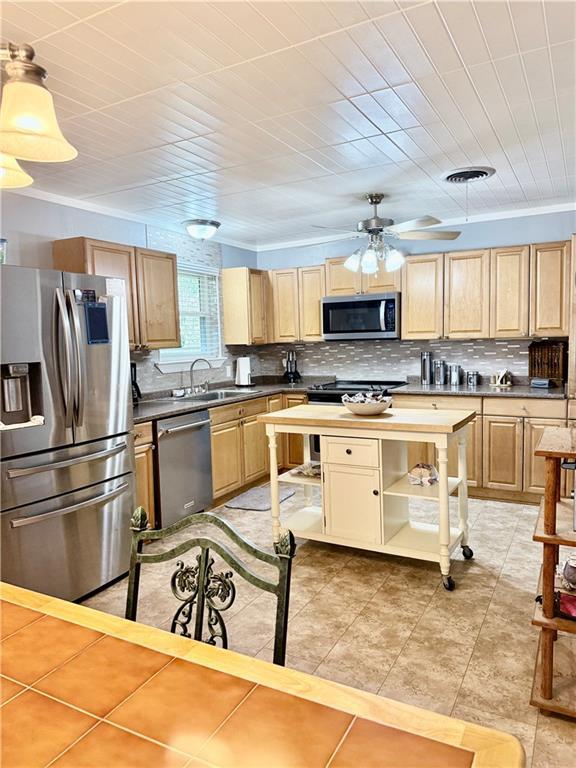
<point x="196" y="388"/>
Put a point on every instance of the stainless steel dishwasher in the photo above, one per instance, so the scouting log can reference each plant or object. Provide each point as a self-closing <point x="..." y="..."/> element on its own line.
<point x="184" y="466"/>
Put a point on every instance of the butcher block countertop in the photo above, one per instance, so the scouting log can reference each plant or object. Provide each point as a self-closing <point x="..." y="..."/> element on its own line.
<point x="83" y="688"/>
<point x="392" y="420"/>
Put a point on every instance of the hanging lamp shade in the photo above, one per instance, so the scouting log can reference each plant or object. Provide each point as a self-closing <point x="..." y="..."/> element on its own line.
<point x="12" y="176"/>
<point x="394" y="260"/>
<point x="29" y="129"/>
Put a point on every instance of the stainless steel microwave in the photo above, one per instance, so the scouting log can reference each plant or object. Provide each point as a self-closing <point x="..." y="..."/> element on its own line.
<point x="367" y="316"/>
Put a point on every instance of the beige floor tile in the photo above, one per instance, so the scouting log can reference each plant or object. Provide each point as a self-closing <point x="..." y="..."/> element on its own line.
<point x="555" y="743"/>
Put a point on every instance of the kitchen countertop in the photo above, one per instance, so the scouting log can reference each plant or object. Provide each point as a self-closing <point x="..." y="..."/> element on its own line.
<point x="152" y="409"/>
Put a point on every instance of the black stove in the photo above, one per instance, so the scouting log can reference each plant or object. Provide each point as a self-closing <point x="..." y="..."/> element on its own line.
<point x="332" y="391"/>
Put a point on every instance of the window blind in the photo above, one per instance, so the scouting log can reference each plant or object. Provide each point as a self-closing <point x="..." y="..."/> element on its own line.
<point x="199" y="316"/>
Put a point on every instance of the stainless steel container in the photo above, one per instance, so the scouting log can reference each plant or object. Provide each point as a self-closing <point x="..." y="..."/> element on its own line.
<point x="472" y="378"/>
<point x="426" y="367"/>
<point x="454" y="374"/>
<point x="439" y="372"/>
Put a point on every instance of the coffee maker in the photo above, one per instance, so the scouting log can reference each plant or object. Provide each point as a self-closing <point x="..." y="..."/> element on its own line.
<point x="290" y="368"/>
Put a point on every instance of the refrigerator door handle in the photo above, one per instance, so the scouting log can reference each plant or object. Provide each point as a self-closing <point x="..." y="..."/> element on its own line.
<point x="68" y="381"/>
<point x="18" y="522"/>
<point x="80" y="386"/>
<point x="14" y="473"/>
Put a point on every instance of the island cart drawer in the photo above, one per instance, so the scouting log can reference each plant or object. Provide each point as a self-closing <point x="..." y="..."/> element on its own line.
<point x="525" y="406"/>
<point x="143" y="434"/>
<point x="350" y="450"/>
<point x="438" y="402"/>
<point x="232" y="412"/>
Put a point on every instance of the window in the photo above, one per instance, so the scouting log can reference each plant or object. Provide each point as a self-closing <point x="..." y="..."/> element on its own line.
<point x="199" y="316"/>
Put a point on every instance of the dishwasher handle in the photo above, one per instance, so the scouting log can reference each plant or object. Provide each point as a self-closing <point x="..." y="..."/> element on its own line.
<point x="182" y="427"/>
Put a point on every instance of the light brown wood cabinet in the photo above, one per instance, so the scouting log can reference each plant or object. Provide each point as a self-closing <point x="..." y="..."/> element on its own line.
<point x="422" y="300"/>
<point x="341" y="282"/>
<point x="245" y="301"/>
<point x="144" y="469"/>
<point x="502" y="448"/>
<point x="550" y="269"/>
<point x="534" y="478"/>
<point x="467" y="294"/>
<point x="509" y="291"/>
<point x="151" y="285"/>
<point x="294" y="444"/>
<point x="255" y="448"/>
<point x="311" y="289"/>
<point x="285" y="305"/>
<point x="226" y="458"/>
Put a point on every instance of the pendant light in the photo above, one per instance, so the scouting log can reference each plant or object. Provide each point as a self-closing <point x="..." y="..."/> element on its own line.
<point x="201" y="229"/>
<point x="29" y="129"/>
<point x="12" y="176"/>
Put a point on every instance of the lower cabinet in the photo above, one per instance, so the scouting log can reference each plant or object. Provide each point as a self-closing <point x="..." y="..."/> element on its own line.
<point x="294" y="444"/>
<point x="255" y="449"/>
<point x="144" y="469"/>
<point x="226" y="458"/>
<point x="356" y="490"/>
<point x="503" y="447"/>
<point x="534" y="472"/>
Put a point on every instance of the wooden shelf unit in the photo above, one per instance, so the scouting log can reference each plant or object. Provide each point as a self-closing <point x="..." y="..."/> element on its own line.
<point x="554" y="529"/>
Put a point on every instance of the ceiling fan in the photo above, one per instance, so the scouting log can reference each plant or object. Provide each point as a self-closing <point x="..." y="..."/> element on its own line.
<point x="366" y="259"/>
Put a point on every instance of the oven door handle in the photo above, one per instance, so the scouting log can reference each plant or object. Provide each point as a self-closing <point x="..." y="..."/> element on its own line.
<point x="25" y="471"/>
<point x="18" y="522"/>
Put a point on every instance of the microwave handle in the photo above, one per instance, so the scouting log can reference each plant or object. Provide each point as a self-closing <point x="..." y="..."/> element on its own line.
<point x="382" y="315"/>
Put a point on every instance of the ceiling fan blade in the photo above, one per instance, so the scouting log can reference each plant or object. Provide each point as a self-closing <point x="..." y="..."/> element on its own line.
<point x="423" y="235"/>
<point x="336" y="229"/>
<point x="423" y="221"/>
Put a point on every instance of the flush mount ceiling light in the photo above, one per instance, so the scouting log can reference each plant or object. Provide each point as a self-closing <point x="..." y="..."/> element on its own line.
<point x="12" y="176"/>
<point x="201" y="229"/>
<point x="29" y="129"/>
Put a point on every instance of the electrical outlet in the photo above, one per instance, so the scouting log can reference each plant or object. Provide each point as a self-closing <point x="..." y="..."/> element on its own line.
<point x="228" y="371"/>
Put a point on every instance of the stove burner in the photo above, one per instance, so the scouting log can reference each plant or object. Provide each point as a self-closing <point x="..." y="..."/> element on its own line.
<point x="332" y="391"/>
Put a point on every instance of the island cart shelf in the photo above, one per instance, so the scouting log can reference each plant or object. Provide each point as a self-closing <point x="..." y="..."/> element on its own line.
<point x="364" y="484"/>
<point x="553" y="690"/>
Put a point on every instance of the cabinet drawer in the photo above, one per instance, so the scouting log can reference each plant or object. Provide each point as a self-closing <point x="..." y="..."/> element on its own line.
<point x="525" y="406"/>
<point x="447" y="402"/>
<point x="353" y="451"/>
<point x="235" y="411"/>
<point x="143" y="434"/>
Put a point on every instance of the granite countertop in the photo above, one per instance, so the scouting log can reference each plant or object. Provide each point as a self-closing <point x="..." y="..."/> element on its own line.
<point x="482" y="390"/>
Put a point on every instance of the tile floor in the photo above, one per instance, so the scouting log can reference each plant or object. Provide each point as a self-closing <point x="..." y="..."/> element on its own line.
<point x="386" y="625"/>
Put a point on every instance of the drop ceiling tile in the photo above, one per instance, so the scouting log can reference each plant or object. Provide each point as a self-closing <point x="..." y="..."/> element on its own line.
<point x="284" y="18"/>
<point x="560" y="21"/>
<point x="375" y="8"/>
<point x="347" y="13"/>
<point x="35" y="18"/>
<point x="316" y="16"/>
<point x="353" y="58"/>
<point x="395" y="107"/>
<point x="497" y="28"/>
<point x="355" y="118"/>
<point x="433" y="36"/>
<point x="513" y="80"/>
<point x="538" y="73"/>
<point x="414" y="98"/>
<point x="564" y="66"/>
<point x="369" y="38"/>
<point x="247" y="23"/>
<point x="465" y="31"/>
<point x="398" y="34"/>
<point x="375" y="113"/>
<point x="318" y="55"/>
<point x="528" y="20"/>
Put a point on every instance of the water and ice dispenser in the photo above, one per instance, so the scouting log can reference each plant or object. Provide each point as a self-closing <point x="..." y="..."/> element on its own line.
<point x="21" y="394"/>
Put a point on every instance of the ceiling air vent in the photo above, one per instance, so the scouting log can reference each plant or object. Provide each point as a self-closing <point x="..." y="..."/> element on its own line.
<point x="473" y="173"/>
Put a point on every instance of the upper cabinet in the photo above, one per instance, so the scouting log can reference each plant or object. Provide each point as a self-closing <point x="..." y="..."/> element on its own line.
<point x="467" y="294"/>
<point x="285" y="308"/>
<point x="245" y="302"/>
<point x="151" y="285"/>
<point x="422" y="297"/>
<point x="341" y="282"/>
<point x="550" y="289"/>
<point x="509" y="269"/>
<point x="311" y="289"/>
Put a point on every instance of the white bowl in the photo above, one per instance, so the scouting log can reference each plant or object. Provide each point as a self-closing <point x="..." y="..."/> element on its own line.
<point x="368" y="409"/>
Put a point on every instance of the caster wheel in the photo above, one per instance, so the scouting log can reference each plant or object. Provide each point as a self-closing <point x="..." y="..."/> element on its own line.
<point x="467" y="552"/>
<point x="448" y="583"/>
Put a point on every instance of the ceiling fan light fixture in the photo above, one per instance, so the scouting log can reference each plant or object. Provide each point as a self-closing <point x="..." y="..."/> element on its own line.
<point x="352" y="263"/>
<point x="369" y="263"/>
<point x="201" y="229"/>
<point x="394" y="259"/>
<point x="12" y="175"/>
<point x="29" y="129"/>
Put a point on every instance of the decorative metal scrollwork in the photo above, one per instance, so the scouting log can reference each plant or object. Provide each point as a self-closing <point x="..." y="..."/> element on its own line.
<point x="219" y="592"/>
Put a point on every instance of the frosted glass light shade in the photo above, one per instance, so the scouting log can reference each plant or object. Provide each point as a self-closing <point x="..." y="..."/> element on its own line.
<point x="394" y="259"/>
<point x="28" y="126"/>
<point x="352" y="263"/>
<point x="370" y="261"/>
<point x="201" y="229"/>
<point x="12" y="176"/>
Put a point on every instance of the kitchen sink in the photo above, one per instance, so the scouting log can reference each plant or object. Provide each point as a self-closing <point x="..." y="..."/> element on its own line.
<point x="204" y="397"/>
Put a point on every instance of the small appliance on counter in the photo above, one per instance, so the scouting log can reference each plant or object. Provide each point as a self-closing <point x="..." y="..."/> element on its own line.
<point x="291" y="374"/>
<point x="243" y="372"/>
<point x="136" y="393"/>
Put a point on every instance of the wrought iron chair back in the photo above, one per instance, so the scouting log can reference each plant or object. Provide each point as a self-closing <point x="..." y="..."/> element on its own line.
<point x="202" y="591"/>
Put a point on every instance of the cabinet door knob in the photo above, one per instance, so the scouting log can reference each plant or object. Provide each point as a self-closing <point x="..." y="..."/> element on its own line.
<point x="376" y="493"/>
<point x="348" y="451"/>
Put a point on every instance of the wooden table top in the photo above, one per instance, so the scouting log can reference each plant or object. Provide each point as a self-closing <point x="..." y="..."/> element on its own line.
<point x="83" y="688"/>
<point x="393" y="420"/>
<point x="558" y="443"/>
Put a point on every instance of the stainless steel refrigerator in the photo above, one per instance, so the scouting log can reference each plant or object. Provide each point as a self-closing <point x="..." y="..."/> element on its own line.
<point x="67" y="457"/>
